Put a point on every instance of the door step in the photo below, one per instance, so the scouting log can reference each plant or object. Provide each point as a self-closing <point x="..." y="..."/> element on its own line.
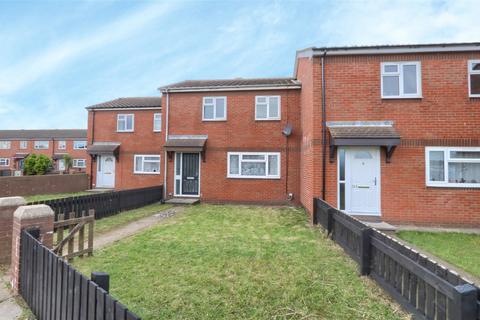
<point x="184" y="201"/>
<point x="381" y="226"/>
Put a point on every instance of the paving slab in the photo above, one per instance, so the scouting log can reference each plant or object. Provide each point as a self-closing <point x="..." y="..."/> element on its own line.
<point x="9" y="309"/>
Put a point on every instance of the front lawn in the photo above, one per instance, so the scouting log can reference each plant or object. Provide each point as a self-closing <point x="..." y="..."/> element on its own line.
<point x="44" y="197"/>
<point x="459" y="249"/>
<point x="237" y="262"/>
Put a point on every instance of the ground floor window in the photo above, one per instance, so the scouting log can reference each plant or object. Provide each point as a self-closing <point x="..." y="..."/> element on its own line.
<point x="4" y="162"/>
<point x="453" y="167"/>
<point x="254" y="165"/>
<point x="147" y="164"/>
<point x="79" y="163"/>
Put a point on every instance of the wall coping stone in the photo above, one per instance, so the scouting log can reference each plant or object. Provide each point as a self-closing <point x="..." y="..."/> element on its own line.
<point x="12" y="201"/>
<point x="33" y="212"/>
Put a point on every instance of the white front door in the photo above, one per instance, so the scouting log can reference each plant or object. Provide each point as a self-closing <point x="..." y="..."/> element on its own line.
<point x="61" y="165"/>
<point x="362" y="180"/>
<point x="105" y="172"/>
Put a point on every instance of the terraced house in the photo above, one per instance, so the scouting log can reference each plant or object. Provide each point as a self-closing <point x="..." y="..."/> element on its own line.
<point x="16" y="145"/>
<point x="383" y="132"/>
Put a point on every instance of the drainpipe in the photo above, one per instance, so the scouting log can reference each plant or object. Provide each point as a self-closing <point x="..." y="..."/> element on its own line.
<point x="167" y="98"/>
<point x="91" y="156"/>
<point x="324" y="127"/>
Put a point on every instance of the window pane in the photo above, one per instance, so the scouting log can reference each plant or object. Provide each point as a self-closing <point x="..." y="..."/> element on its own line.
<point x="437" y="166"/>
<point x="391" y="68"/>
<point x="475" y="84"/>
<point x="391" y="86"/>
<point x="476" y="66"/>
<point x="138" y="163"/>
<point x="151" y="166"/>
<point x="410" y="79"/>
<point x="261" y="111"/>
<point x="208" y="112"/>
<point x="208" y="100"/>
<point x="129" y="123"/>
<point x="121" y="124"/>
<point x="178" y="160"/>
<point x="262" y="99"/>
<point x="363" y="155"/>
<point x="157" y="122"/>
<point x="220" y="109"/>
<point x="464" y="172"/>
<point x="273" y="111"/>
<point x="273" y="165"/>
<point x="342" y="196"/>
<point x="152" y="158"/>
<point x="253" y="157"/>
<point x="234" y="164"/>
<point x="465" y="154"/>
<point x="341" y="159"/>
<point x="253" y="168"/>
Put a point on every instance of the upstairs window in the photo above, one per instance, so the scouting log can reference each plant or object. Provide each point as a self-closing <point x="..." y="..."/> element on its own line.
<point x="267" y="108"/>
<point x="5" y="144"/>
<point x="125" y="122"/>
<point x="62" y="144"/>
<point x="41" y="145"/>
<point x="157" y="122"/>
<point x="401" y="80"/>
<point x="474" y="78"/>
<point x="4" y="162"/>
<point x="147" y="164"/>
<point x="453" y="167"/>
<point x="214" y="109"/>
<point x="254" y="165"/>
<point x="79" y="163"/>
<point x="79" y="145"/>
<point x="23" y="144"/>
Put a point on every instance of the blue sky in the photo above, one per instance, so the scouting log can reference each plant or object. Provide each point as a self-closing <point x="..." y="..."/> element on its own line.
<point x="57" y="57"/>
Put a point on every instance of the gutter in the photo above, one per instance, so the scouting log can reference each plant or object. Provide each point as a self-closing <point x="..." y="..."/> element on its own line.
<point x="324" y="127"/>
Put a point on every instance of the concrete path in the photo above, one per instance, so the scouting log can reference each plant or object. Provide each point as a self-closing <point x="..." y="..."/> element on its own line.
<point x="9" y="309"/>
<point x="134" y="227"/>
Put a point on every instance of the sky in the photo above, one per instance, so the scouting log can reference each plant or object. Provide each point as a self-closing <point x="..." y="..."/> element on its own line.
<point x="58" y="57"/>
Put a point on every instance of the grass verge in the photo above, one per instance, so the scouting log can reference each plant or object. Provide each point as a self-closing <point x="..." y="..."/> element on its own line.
<point x="237" y="262"/>
<point x="460" y="249"/>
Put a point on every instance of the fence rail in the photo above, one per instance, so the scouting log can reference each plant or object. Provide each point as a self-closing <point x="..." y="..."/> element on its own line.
<point x="53" y="289"/>
<point x="105" y="204"/>
<point x="423" y="287"/>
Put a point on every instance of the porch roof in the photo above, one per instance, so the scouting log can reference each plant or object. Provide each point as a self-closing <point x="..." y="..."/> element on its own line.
<point x="58" y="156"/>
<point x="108" y="148"/>
<point x="185" y="143"/>
<point x="19" y="156"/>
<point x="375" y="134"/>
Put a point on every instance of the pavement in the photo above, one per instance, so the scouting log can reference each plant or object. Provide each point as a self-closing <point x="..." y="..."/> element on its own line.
<point x="9" y="309"/>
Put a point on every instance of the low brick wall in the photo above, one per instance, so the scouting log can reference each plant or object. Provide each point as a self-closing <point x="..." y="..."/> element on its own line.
<point x="32" y="185"/>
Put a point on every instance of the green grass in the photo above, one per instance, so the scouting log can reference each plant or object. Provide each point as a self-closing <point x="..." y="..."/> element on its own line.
<point x="43" y="197"/>
<point x="236" y="262"/>
<point x="460" y="249"/>
<point x="110" y="223"/>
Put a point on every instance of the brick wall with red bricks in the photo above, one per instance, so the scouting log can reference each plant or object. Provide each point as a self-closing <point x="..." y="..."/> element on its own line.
<point x="444" y="116"/>
<point x="239" y="133"/>
<point x="142" y="141"/>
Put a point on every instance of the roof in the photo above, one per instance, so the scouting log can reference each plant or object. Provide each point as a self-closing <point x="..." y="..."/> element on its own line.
<point x="232" y="84"/>
<point x="185" y="143"/>
<point x="360" y="132"/>
<point x="129" y="103"/>
<point x="103" y="148"/>
<point x="43" y="134"/>
<point x="363" y="133"/>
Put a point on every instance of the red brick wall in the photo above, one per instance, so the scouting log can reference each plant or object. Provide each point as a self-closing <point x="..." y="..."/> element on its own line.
<point x="142" y="141"/>
<point x="444" y="116"/>
<point x="240" y="133"/>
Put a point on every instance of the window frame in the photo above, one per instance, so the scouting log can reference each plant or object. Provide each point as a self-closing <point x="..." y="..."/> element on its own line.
<point x="59" y="144"/>
<point x="447" y="160"/>
<point x="126" y="115"/>
<point x="215" y="118"/>
<point x="36" y="147"/>
<point x="23" y="144"/>
<point x="266" y="154"/>
<point x="155" y="115"/>
<point x="7" y="162"/>
<point x="82" y="141"/>
<point x="399" y="73"/>
<point x="143" y="163"/>
<point x="470" y="73"/>
<point x="268" y="118"/>
<point x="8" y="144"/>
<point x="75" y="163"/>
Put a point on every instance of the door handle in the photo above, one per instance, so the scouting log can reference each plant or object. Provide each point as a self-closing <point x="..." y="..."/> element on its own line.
<point x="363" y="187"/>
<point x="190" y="178"/>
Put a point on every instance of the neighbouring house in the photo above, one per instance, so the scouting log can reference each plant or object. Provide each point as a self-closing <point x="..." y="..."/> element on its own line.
<point x="125" y="143"/>
<point x="16" y="145"/>
<point x="382" y="132"/>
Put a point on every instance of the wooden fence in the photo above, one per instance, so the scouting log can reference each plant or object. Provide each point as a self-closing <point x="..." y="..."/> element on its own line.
<point x="424" y="288"/>
<point x="53" y="289"/>
<point x="105" y="204"/>
<point x="75" y="228"/>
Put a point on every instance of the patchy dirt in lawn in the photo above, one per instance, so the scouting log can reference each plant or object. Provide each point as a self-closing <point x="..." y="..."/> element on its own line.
<point x="133" y="228"/>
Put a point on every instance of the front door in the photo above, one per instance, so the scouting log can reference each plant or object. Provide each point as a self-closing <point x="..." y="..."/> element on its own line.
<point x="362" y="185"/>
<point x="61" y="165"/>
<point x="187" y="174"/>
<point x="105" y="172"/>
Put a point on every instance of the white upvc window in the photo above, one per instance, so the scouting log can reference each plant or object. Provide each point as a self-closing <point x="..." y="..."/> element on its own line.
<point x="41" y="144"/>
<point x="79" y="163"/>
<point x="253" y="165"/>
<point x="401" y="80"/>
<point x="4" y="162"/>
<point x="157" y="122"/>
<point x="214" y="109"/>
<point x="146" y="164"/>
<point x="453" y="167"/>
<point x="62" y="144"/>
<point x="267" y="108"/>
<point x="125" y="122"/>
<point x="5" y="144"/>
<point x="79" y="145"/>
<point x="23" y="144"/>
<point x="474" y="78"/>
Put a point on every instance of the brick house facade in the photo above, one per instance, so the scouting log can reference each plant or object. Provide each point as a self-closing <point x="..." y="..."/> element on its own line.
<point x="16" y="145"/>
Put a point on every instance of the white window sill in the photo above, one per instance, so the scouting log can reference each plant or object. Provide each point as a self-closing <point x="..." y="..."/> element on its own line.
<point x="125" y="131"/>
<point x="253" y="177"/>
<point x="401" y="97"/>
<point x="474" y="95"/>
<point x="213" y="120"/>
<point x="157" y="131"/>
<point x="148" y="173"/>
<point x="453" y="185"/>
<point x="270" y="119"/>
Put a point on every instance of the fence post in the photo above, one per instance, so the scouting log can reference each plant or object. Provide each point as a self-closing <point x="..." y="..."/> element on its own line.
<point x="314" y="213"/>
<point x="102" y="279"/>
<point x="330" y="220"/>
<point x="365" y="251"/>
<point x="464" y="303"/>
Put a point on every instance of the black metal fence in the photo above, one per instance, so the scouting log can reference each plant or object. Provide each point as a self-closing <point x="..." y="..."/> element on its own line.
<point x="53" y="289"/>
<point x="424" y="288"/>
<point x="105" y="204"/>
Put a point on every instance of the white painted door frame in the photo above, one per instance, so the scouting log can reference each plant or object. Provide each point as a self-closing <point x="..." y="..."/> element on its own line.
<point x="179" y="176"/>
<point x="101" y="177"/>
